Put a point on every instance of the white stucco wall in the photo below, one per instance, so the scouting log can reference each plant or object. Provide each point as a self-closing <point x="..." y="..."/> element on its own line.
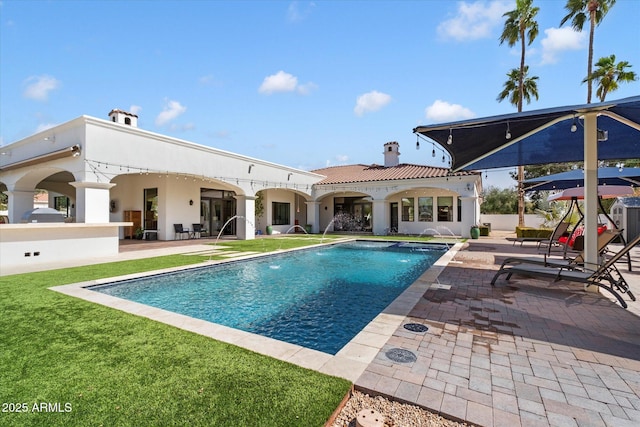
<point x="510" y="222"/>
<point x="54" y="243"/>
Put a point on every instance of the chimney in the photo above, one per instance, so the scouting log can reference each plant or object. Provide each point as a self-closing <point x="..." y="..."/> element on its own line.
<point x="391" y="154"/>
<point x="124" y="118"/>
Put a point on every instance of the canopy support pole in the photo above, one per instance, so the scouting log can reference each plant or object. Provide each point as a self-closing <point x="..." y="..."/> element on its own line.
<point x="591" y="190"/>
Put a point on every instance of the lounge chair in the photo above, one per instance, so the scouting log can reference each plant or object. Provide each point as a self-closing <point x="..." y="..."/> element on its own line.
<point x="606" y="276"/>
<point x="603" y="240"/>
<point x="554" y="239"/>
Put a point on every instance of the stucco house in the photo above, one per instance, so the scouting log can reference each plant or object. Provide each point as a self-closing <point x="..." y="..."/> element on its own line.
<point x="114" y="179"/>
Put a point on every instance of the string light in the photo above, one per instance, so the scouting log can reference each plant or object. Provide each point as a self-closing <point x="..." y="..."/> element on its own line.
<point x="450" y="138"/>
<point x="100" y="170"/>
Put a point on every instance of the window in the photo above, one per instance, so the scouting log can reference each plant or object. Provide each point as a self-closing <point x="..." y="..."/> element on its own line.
<point x="407" y="209"/>
<point x="425" y="208"/>
<point x="459" y="209"/>
<point x="445" y="208"/>
<point x="127" y="120"/>
<point x="281" y="213"/>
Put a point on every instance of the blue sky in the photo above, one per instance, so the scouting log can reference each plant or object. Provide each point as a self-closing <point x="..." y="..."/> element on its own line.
<point x="304" y="84"/>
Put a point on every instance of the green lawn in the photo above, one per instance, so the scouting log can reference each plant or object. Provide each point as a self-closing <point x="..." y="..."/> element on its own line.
<point x="95" y="366"/>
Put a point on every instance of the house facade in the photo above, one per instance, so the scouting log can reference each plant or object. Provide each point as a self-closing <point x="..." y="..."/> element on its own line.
<point x="112" y="178"/>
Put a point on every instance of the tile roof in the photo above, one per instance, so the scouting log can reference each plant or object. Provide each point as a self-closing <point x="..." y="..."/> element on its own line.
<point x="369" y="173"/>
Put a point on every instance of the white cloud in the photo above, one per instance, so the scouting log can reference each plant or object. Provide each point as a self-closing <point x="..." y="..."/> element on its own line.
<point x="172" y="109"/>
<point x="307" y="88"/>
<point x="371" y="101"/>
<point x="135" y="109"/>
<point x="284" y="82"/>
<point x="442" y="111"/>
<point x="38" y="87"/>
<point x="342" y="158"/>
<point x="558" y="40"/>
<point x="296" y="13"/>
<point x="279" y="82"/>
<point x="474" y="20"/>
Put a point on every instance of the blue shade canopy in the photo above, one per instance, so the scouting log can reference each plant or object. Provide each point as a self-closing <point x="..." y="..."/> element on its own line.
<point x="539" y="136"/>
<point x="575" y="178"/>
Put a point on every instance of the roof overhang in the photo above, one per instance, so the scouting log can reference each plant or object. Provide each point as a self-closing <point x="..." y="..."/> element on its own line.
<point x="72" y="151"/>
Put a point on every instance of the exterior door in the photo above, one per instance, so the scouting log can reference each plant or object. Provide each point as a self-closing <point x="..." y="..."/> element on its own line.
<point x="394" y="217"/>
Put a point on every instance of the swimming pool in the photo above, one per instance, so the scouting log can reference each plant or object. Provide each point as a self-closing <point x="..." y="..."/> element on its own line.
<point x="319" y="298"/>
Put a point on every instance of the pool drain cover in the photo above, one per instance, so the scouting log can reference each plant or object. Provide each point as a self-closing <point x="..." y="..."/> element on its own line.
<point x="416" y="327"/>
<point x="401" y="356"/>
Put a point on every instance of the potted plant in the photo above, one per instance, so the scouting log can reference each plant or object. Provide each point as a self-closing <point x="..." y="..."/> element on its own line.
<point x="139" y="233"/>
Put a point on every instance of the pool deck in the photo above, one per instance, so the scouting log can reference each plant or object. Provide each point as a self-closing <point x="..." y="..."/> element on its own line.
<point x="523" y="353"/>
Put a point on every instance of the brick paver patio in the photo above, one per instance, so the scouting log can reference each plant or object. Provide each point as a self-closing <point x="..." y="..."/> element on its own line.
<point x="524" y="353"/>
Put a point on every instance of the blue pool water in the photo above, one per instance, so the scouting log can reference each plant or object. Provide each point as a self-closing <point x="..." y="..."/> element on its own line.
<point x="316" y="298"/>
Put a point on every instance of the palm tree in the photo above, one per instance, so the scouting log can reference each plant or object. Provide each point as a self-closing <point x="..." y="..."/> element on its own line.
<point x="512" y="87"/>
<point x="579" y="12"/>
<point x="607" y="75"/>
<point x="520" y="25"/>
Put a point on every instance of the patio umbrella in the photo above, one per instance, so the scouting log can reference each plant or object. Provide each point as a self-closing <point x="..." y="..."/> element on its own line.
<point x="604" y="192"/>
<point x="575" y="178"/>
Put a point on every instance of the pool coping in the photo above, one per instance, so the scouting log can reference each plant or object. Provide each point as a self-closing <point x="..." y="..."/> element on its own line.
<point x="349" y="363"/>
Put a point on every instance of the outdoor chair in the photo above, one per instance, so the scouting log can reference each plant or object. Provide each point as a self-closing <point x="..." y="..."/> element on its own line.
<point x="554" y="239"/>
<point x="180" y="231"/>
<point x="603" y="241"/>
<point x="196" y="231"/>
<point x="606" y="276"/>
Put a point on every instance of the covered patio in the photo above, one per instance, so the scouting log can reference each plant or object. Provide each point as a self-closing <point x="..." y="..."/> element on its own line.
<point x="587" y="132"/>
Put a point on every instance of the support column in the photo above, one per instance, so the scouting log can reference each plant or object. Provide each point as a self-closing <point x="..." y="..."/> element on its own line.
<point x="591" y="191"/>
<point x="92" y="201"/>
<point x="18" y="203"/>
<point x="313" y="216"/>
<point x="470" y="215"/>
<point x="245" y="226"/>
<point x="380" y="214"/>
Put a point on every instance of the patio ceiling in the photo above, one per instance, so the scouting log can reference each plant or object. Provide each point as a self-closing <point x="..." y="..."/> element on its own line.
<point x="539" y="136"/>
